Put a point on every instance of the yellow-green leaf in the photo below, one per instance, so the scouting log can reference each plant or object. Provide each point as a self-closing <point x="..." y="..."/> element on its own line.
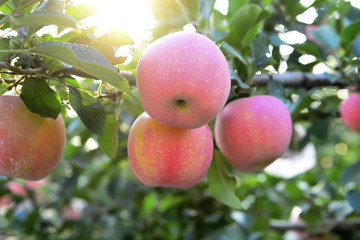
<point x="43" y="19"/>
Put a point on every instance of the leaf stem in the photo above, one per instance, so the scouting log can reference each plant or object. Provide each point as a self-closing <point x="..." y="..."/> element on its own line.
<point x="14" y="51"/>
<point x="4" y="20"/>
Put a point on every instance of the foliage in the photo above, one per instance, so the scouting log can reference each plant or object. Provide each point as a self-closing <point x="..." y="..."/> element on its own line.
<point x="94" y="195"/>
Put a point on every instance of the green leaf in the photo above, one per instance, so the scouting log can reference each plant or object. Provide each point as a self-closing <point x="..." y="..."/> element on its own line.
<point x="340" y="209"/>
<point x="149" y="202"/>
<point x="276" y="89"/>
<point x="350" y="174"/>
<point x="37" y="19"/>
<point x="232" y="51"/>
<point x="40" y="98"/>
<point x="89" y="109"/>
<point x="22" y="4"/>
<point x="234" y="5"/>
<point x="353" y="198"/>
<point x="259" y="49"/>
<point x="311" y="214"/>
<point x="52" y="6"/>
<point x="109" y="140"/>
<point x="6" y="9"/>
<point x="327" y="36"/>
<point x="242" y="73"/>
<point x="132" y="104"/>
<point x="320" y="128"/>
<point x="244" y="19"/>
<point x="2" y="2"/>
<point x="81" y="11"/>
<point x="302" y="102"/>
<point x="236" y="77"/>
<point x="116" y="37"/>
<point x="61" y="89"/>
<point x="222" y="186"/>
<point x="2" y="89"/>
<point x="52" y="65"/>
<point x="85" y="58"/>
<point x="4" y="45"/>
<point x="308" y="48"/>
<point x="349" y="33"/>
<point x="70" y="80"/>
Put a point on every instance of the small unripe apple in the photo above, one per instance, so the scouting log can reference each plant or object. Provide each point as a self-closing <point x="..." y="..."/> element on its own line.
<point x="252" y="132"/>
<point x="30" y="146"/>
<point x="183" y="80"/>
<point x="166" y="156"/>
<point x="350" y="111"/>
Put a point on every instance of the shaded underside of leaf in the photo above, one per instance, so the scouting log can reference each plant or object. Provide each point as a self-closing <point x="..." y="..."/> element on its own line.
<point x="222" y="186"/>
<point x="353" y="198"/>
<point x="349" y="33"/>
<point x="109" y="140"/>
<point x="350" y="174"/>
<point x="89" y="109"/>
<point x="40" y="98"/>
<point x="244" y="19"/>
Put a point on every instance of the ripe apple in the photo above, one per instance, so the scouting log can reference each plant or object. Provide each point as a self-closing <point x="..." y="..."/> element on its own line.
<point x="167" y="156"/>
<point x="350" y="111"/>
<point x="183" y="80"/>
<point x="31" y="146"/>
<point x="252" y="132"/>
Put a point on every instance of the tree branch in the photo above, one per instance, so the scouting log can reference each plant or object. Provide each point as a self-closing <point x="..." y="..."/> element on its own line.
<point x="299" y="79"/>
<point x="287" y="79"/>
<point x="72" y="71"/>
<point x="348" y="226"/>
<point x="34" y="71"/>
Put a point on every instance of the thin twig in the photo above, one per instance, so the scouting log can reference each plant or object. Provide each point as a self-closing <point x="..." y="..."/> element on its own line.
<point x="20" y="71"/>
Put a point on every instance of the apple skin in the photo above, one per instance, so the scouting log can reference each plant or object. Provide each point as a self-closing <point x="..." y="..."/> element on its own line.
<point x="166" y="156"/>
<point x="350" y="111"/>
<point x="183" y="80"/>
<point x="252" y="132"/>
<point x="30" y="146"/>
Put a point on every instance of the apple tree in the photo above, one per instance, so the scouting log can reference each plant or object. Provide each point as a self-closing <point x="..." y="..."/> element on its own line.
<point x="304" y="53"/>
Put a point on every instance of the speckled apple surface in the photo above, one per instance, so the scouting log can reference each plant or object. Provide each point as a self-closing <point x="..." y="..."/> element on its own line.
<point x="166" y="156"/>
<point x="350" y="111"/>
<point x="183" y="80"/>
<point x="252" y="132"/>
<point x="30" y="146"/>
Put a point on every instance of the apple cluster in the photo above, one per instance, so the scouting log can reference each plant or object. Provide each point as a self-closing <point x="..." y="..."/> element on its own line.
<point x="183" y="81"/>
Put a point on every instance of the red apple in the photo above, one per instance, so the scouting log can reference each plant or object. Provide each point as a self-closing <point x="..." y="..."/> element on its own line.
<point x="183" y="80"/>
<point x="31" y="146"/>
<point x="252" y="132"/>
<point x="166" y="156"/>
<point x="350" y="111"/>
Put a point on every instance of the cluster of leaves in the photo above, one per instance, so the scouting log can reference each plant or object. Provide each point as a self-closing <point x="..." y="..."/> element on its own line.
<point x="96" y="193"/>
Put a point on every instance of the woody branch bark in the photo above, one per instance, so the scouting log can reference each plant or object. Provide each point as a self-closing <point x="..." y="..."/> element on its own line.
<point x="299" y="79"/>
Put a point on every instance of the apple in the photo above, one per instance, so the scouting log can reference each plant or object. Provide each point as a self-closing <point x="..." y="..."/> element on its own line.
<point x="183" y="80"/>
<point x="350" y="111"/>
<point x="252" y="132"/>
<point x="167" y="156"/>
<point x="31" y="146"/>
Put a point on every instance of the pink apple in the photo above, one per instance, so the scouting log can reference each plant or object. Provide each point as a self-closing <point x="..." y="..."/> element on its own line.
<point x="166" y="156"/>
<point x="252" y="132"/>
<point x="183" y="80"/>
<point x="350" y="111"/>
<point x="31" y="146"/>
